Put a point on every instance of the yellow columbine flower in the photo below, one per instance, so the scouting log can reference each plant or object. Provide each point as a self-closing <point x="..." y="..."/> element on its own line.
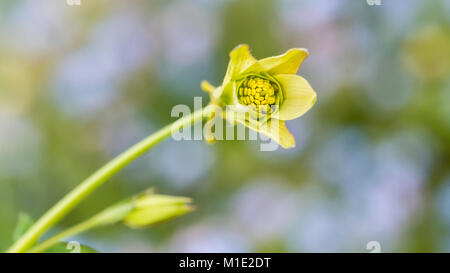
<point x="268" y="90"/>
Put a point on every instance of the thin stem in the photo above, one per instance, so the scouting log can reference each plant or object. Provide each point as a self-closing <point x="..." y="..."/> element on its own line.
<point x="68" y="202"/>
<point x="79" y="228"/>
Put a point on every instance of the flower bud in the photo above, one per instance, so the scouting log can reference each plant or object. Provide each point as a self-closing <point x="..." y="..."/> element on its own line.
<point x="154" y="208"/>
<point x="144" y="210"/>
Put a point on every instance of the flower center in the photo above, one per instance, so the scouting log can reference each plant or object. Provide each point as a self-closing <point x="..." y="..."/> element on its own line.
<point x="257" y="91"/>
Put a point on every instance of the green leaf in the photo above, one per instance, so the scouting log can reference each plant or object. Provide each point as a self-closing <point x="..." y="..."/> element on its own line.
<point x="24" y="222"/>
<point x="70" y="247"/>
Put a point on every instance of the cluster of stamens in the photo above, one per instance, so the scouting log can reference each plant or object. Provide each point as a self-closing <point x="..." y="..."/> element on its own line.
<point x="255" y="91"/>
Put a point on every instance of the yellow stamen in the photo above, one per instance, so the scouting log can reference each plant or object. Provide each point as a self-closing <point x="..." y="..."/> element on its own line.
<point x="258" y="93"/>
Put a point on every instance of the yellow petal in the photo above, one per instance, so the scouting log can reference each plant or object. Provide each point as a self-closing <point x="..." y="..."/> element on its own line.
<point x="240" y="60"/>
<point x="287" y="63"/>
<point x="207" y="87"/>
<point x="276" y="130"/>
<point x="298" y="96"/>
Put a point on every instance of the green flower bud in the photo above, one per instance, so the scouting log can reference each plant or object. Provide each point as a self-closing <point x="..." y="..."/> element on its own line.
<point x="144" y="209"/>
<point x="154" y="208"/>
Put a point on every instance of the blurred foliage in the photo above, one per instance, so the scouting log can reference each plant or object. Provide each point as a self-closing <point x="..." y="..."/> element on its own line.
<point x="79" y="84"/>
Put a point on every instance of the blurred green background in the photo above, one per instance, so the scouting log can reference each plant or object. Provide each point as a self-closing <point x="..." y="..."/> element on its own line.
<point x="79" y="84"/>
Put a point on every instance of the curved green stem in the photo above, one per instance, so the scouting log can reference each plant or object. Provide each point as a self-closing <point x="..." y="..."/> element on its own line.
<point x="77" y="229"/>
<point x="68" y="202"/>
